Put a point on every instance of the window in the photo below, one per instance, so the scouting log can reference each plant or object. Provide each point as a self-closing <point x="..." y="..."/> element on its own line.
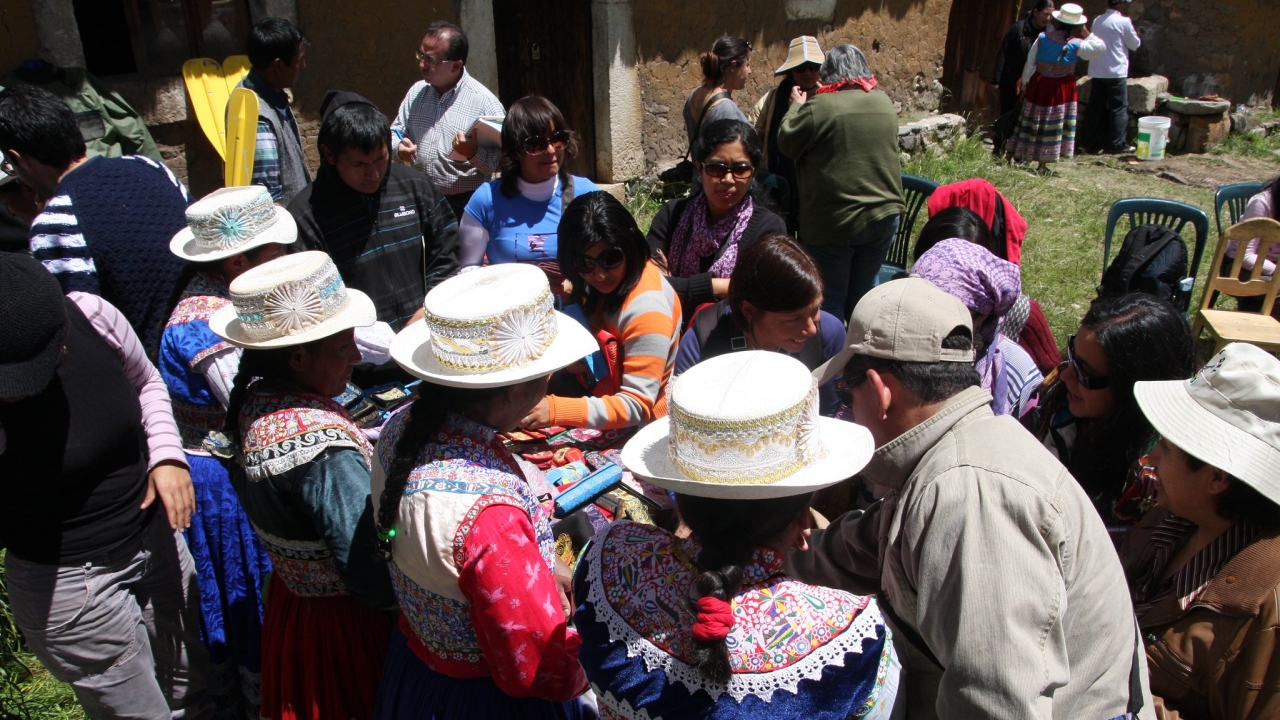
<point x="157" y="36"/>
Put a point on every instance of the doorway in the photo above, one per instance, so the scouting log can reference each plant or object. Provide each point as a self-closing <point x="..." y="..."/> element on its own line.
<point x="544" y="48"/>
<point x="974" y="32"/>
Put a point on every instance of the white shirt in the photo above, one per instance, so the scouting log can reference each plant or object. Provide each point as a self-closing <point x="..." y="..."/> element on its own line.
<point x="430" y="119"/>
<point x="1117" y="32"/>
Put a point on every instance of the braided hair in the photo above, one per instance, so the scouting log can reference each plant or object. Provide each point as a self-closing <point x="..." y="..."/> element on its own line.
<point x="730" y="531"/>
<point x="272" y="364"/>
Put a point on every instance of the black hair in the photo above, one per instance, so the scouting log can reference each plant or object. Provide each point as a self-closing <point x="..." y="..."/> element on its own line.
<point x="593" y="218"/>
<point x="1040" y="6"/>
<point x="726" y="52"/>
<point x="531" y="116"/>
<point x="426" y="416"/>
<point x="775" y="274"/>
<point x="957" y="222"/>
<point x="729" y="532"/>
<point x="190" y="269"/>
<point x="1274" y="187"/>
<point x="723" y="132"/>
<point x="38" y="124"/>
<point x="1143" y="338"/>
<point x="931" y="382"/>
<point x="268" y="364"/>
<point x="356" y="125"/>
<point x="1240" y="502"/>
<point x="455" y="39"/>
<point x="273" y="39"/>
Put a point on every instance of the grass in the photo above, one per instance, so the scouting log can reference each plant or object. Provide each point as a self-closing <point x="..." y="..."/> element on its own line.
<point x="1246" y="145"/>
<point x="27" y="690"/>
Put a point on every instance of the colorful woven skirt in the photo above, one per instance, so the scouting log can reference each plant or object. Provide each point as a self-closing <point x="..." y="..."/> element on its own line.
<point x="232" y="568"/>
<point x="1047" y="126"/>
<point x="321" y="656"/>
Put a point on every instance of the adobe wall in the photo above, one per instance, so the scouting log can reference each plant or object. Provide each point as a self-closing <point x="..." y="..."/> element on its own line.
<point x="904" y="42"/>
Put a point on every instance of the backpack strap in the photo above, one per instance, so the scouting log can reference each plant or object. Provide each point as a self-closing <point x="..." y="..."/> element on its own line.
<point x="717" y="333"/>
<point x="567" y="196"/>
<point x="697" y="121"/>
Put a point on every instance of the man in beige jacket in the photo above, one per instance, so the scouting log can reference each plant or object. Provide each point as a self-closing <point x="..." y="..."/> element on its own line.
<point x="1006" y="596"/>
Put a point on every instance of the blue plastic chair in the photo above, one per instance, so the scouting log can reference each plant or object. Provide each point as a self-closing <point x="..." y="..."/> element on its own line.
<point x="1234" y="197"/>
<point x="916" y="191"/>
<point x="1157" y="211"/>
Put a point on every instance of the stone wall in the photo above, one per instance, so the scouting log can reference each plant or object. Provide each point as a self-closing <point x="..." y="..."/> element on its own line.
<point x="904" y="42"/>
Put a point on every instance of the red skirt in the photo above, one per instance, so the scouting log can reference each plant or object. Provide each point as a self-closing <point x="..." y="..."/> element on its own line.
<point x="321" y="656"/>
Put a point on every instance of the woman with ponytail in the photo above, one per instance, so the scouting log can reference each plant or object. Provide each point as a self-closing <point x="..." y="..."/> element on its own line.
<point x="468" y="542"/>
<point x="725" y="68"/>
<point x="304" y="483"/>
<point x="710" y="625"/>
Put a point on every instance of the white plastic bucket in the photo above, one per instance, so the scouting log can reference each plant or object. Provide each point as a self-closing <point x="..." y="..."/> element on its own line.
<point x="1153" y="134"/>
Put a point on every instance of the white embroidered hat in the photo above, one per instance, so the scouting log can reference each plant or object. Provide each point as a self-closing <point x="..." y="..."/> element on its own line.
<point x="232" y="220"/>
<point x="745" y="426"/>
<point x="290" y="301"/>
<point x="490" y="327"/>
<point x="1070" y="14"/>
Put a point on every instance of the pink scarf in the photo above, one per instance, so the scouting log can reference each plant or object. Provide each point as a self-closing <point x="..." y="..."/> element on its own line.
<point x="695" y="239"/>
<point x="865" y="84"/>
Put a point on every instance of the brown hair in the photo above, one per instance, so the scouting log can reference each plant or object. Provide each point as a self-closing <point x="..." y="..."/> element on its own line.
<point x="724" y="54"/>
<point x="775" y="274"/>
<point x="531" y="116"/>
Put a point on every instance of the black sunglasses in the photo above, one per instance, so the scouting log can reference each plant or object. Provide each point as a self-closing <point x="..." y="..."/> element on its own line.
<point x="717" y="170"/>
<point x="608" y="260"/>
<point x="1087" y="381"/>
<point x="537" y="143"/>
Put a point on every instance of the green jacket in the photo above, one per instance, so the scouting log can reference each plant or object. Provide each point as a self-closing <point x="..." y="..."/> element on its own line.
<point x="845" y="145"/>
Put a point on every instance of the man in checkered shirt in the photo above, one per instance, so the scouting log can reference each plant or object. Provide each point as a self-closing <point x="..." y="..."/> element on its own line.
<point x="435" y="125"/>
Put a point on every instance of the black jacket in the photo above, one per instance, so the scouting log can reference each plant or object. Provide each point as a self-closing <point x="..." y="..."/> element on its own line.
<point x="1013" y="51"/>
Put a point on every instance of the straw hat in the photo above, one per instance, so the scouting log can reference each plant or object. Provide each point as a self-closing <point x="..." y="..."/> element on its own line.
<point x="290" y="301"/>
<point x="1070" y="14"/>
<point x="491" y="327"/>
<point x="230" y="221"/>
<point x="1228" y="415"/>
<point x="745" y="426"/>
<point x="804" y="49"/>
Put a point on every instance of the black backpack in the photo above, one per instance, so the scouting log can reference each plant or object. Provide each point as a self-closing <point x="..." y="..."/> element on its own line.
<point x="1152" y="259"/>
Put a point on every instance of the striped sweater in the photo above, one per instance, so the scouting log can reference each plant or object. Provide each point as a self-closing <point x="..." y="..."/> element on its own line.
<point x="648" y="328"/>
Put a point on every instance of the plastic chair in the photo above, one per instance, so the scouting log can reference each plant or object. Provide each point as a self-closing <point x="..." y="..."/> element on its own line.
<point x="916" y="191"/>
<point x="1158" y="211"/>
<point x="1234" y="197"/>
<point x="1228" y="326"/>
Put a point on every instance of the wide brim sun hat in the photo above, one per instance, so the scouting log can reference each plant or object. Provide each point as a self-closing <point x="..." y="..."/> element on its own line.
<point x="1070" y="14"/>
<point x="745" y="426"/>
<point x="288" y="301"/>
<point x="491" y="327"/>
<point x="232" y="220"/>
<point x="804" y="49"/>
<point x="1228" y="415"/>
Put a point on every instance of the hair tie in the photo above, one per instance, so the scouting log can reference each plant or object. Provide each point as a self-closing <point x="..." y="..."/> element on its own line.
<point x="715" y="620"/>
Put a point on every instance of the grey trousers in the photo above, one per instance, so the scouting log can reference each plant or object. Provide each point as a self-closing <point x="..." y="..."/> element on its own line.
<point x="123" y="630"/>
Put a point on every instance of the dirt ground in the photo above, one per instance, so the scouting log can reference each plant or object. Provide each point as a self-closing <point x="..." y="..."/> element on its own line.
<point x="1208" y="171"/>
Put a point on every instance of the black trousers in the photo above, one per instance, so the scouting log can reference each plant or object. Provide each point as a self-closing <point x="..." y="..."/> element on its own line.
<point x="1106" y="118"/>
<point x="1008" y="101"/>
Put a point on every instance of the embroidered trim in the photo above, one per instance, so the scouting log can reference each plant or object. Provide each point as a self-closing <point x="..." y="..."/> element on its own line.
<point x="292" y="307"/>
<point x="511" y="339"/>
<point x="286" y="430"/>
<point x="306" y="567"/>
<point x="443" y="625"/>
<point x="620" y="707"/>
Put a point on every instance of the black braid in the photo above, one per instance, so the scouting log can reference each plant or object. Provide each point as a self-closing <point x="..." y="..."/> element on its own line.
<point x="254" y="364"/>
<point x="729" y="531"/>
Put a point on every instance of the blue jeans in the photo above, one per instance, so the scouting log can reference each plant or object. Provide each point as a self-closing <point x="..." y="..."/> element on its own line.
<point x="849" y="270"/>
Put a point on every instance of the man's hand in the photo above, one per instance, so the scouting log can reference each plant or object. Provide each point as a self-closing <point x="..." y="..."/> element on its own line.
<point x="798" y="96"/>
<point x="407" y="151"/>
<point x="172" y="482"/>
<point x="465" y="143"/>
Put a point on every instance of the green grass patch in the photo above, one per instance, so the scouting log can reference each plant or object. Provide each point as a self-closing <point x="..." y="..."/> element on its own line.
<point x="27" y="690"/>
<point x="1253" y="146"/>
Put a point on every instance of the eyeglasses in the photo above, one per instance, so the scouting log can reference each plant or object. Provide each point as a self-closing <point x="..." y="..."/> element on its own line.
<point x="717" y="170"/>
<point x="427" y="60"/>
<point x="538" y="144"/>
<point x="1087" y="381"/>
<point x="607" y="260"/>
<point x="844" y="387"/>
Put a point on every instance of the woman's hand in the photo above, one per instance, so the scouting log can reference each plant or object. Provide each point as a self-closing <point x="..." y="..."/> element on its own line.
<point x="465" y="143"/>
<point x="539" y="417"/>
<point x="798" y="96"/>
<point x="564" y="587"/>
<point x="172" y="482"/>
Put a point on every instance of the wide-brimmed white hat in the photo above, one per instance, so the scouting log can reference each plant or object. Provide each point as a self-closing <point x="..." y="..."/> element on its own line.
<point x="1228" y="415"/>
<point x="1070" y="14"/>
<point x="229" y="221"/>
<point x="804" y="49"/>
<point x="290" y="301"/>
<point x="745" y="426"/>
<point x="490" y="327"/>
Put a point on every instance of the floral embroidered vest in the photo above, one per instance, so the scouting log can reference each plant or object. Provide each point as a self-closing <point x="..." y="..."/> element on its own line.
<point x="187" y="342"/>
<point x="463" y="470"/>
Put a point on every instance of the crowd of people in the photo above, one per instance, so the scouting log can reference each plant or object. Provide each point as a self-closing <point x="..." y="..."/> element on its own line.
<point x="259" y="450"/>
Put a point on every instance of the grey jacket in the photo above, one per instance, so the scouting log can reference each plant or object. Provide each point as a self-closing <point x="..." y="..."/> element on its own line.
<point x="987" y="548"/>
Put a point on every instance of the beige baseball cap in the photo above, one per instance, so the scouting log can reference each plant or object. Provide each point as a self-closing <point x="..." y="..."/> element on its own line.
<point x="1228" y="415"/>
<point x="904" y="320"/>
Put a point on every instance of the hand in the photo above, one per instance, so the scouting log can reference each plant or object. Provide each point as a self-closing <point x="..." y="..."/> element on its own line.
<point x="407" y="151"/>
<point x="660" y="259"/>
<point x="720" y="288"/>
<point x="465" y="144"/>
<point x="172" y="482"/>
<point x="1017" y="89"/>
<point x="564" y="587"/>
<point x="539" y="417"/>
<point x="798" y="96"/>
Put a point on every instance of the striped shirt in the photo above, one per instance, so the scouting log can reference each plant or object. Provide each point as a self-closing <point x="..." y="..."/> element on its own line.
<point x="266" y="161"/>
<point x="1023" y="376"/>
<point x="1188" y="581"/>
<point x="430" y="119"/>
<point x="648" y="328"/>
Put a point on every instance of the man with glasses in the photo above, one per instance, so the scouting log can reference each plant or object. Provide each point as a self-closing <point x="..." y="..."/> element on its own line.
<point x="1004" y="592"/>
<point x="435" y="127"/>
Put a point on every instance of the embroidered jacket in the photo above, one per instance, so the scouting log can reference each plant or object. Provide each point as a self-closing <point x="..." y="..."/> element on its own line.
<point x="186" y="347"/>
<point x="796" y="650"/>
<point x="474" y="565"/>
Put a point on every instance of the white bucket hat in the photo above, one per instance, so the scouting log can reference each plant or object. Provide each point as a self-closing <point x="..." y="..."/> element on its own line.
<point x="1228" y="415"/>
<point x="745" y="426"/>
<point x="491" y="327"/>
<point x="804" y="49"/>
<point x="1070" y="14"/>
<point x="230" y="221"/>
<point x="290" y="301"/>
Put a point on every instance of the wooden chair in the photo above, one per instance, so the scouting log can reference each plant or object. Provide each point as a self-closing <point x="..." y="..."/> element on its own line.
<point x="1228" y="326"/>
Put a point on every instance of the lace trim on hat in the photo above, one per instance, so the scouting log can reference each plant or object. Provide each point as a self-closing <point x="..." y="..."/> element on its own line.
<point x="292" y="307"/>
<point x="227" y="227"/>
<point x="511" y="339"/>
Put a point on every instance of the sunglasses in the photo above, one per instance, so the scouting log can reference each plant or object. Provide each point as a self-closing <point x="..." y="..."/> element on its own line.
<point x="427" y="60"/>
<point x="1087" y="381"/>
<point x="607" y="260"/>
<point x="538" y="144"/>
<point x="717" y="170"/>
